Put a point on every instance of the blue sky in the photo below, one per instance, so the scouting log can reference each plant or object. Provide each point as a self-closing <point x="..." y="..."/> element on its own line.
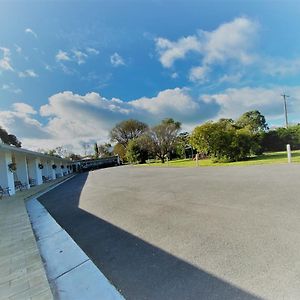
<point x="69" y="70"/>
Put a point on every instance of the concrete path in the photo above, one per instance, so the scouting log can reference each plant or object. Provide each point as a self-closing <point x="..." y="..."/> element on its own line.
<point x="22" y="275"/>
<point x="196" y="233"/>
<point x="72" y="275"/>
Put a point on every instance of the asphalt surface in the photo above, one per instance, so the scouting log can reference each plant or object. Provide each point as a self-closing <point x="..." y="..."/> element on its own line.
<point x="188" y="233"/>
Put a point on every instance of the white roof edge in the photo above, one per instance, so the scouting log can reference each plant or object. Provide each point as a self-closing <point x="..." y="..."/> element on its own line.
<point x="30" y="152"/>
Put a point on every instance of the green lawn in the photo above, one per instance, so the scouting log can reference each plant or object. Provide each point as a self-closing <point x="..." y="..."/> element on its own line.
<point x="267" y="158"/>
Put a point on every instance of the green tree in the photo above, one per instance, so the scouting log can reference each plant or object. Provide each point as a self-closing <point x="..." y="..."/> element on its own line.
<point x="253" y="120"/>
<point x="222" y="141"/>
<point x="133" y="151"/>
<point x="276" y="140"/>
<point x="164" y="138"/>
<point x="127" y="130"/>
<point x="139" y="149"/>
<point x="96" y="150"/>
<point x="120" y="150"/>
<point x="9" y="139"/>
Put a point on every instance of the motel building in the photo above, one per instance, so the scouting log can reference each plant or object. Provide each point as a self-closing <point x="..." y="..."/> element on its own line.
<point x="23" y="169"/>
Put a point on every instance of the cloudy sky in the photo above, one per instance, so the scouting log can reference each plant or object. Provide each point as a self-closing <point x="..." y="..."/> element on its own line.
<point x="69" y="70"/>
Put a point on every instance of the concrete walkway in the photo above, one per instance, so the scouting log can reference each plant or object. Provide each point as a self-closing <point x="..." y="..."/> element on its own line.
<point x="22" y="275"/>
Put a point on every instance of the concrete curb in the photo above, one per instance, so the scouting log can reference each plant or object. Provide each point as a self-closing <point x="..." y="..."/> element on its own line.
<point x="71" y="274"/>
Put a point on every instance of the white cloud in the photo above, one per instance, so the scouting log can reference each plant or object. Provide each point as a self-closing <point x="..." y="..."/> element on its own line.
<point x="62" y="56"/>
<point x="5" y="62"/>
<point x="19" y="121"/>
<point x="70" y="118"/>
<point x="171" y="51"/>
<point x="79" y="56"/>
<point x="174" y="75"/>
<point x="18" y="49"/>
<point x="23" y="108"/>
<point x="231" y="78"/>
<point x="10" y="87"/>
<point x="92" y="51"/>
<point x="230" y="42"/>
<point x="28" y="73"/>
<point x="30" y="31"/>
<point x="280" y="67"/>
<point x="235" y="101"/>
<point x="198" y="74"/>
<point x="116" y="60"/>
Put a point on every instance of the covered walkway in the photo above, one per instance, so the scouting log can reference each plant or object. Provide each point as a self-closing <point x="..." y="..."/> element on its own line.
<point x="22" y="274"/>
<point x="22" y="169"/>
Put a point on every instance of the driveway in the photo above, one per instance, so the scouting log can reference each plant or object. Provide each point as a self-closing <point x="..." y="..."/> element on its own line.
<point x="188" y="233"/>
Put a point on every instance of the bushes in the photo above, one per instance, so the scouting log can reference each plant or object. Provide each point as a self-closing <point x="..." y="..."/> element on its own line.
<point x="225" y="141"/>
<point x="276" y="140"/>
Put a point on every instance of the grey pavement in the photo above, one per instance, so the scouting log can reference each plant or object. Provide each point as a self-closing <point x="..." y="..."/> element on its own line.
<point x="71" y="274"/>
<point x="188" y="233"/>
<point x="22" y="274"/>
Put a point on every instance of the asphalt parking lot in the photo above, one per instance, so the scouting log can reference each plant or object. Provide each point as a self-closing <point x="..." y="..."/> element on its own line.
<point x="188" y="233"/>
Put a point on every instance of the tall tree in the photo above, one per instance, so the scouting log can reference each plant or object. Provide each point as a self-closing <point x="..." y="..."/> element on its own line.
<point x="253" y="120"/>
<point x="127" y="130"/>
<point x="104" y="150"/>
<point x="121" y="151"/>
<point x="164" y="137"/>
<point x="96" y="149"/>
<point x="9" y="139"/>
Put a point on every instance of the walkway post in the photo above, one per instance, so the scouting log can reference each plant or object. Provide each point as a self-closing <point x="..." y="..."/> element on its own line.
<point x="6" y="176"/>
<point x="34" y="171"/>
<point x="289" y="155"/>
<point x="22" y="171"/>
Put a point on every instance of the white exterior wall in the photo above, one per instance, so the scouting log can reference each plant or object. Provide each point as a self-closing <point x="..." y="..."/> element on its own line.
<point x="22" y="170"/>
<point x="34" y="171"/>
<point x="6" y="177"/>
<point x="27" y="167"/>
<point x="58" y="169"/>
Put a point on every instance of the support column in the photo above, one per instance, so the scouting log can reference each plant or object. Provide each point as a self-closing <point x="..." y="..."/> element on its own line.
<point x="34" y="171"/>
<point x="22" y="171"/>
<point x="51" y="173"/>
<point x="45" y="170"/>
<point x="6" y="176"/>
<point x="58" y="169"/>
<point x="62" y="170"/>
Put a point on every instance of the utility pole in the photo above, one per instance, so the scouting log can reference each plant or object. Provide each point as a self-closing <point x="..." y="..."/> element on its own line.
<point x="285" y="109"/>
<point x="288" y="146"/>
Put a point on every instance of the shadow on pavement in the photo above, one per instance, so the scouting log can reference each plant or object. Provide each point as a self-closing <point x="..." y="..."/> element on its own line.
<point x="138" y="269"/>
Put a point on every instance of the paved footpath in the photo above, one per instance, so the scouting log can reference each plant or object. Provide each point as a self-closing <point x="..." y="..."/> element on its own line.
<point x="22" y="275"/>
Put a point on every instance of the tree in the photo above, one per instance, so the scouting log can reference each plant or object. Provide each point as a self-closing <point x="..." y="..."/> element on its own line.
<point x="254" y="121"/>
<point x="164" y="137"/>
<point x="120" y="150"/>
<point x="9" y="139"/>
<point x="74" y="156"/>
<point x="140" y="149"/>
<point x="133" y="151"/>
<point x="104" y="150"/>
<point x="60" y="151"/>
<point x="222" y="141"/>
<point x="183" y="148"/>
<point x="276" y="140"/>
<point x="127" y="130"/>
<point x="96" y="150"/>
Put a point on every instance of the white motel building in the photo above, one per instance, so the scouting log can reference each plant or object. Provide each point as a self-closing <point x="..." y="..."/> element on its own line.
<point x="21" y="168"/>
